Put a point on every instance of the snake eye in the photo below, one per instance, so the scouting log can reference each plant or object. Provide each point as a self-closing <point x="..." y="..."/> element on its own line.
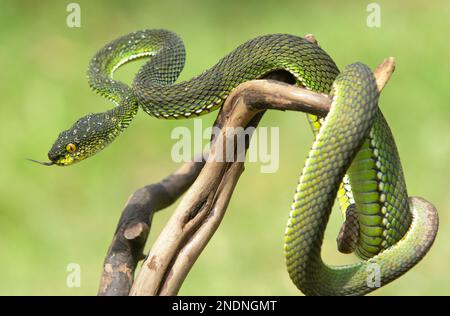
<point x="71" y="147"/>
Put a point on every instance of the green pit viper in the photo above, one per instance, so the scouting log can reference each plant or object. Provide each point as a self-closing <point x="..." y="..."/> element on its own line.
<point x="353" y="156"/>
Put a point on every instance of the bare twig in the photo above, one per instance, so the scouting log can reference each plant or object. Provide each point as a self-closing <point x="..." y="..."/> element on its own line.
<point x="133" y="228"/>
<point x="384" y="72"/>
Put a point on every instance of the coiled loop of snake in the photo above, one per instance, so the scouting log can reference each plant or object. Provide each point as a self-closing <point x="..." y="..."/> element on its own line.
<point x="389" y="231"/>
<point x="353" y="121"/>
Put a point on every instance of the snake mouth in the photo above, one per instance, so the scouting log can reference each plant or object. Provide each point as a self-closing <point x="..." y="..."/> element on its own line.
<point x="44" y="163"/>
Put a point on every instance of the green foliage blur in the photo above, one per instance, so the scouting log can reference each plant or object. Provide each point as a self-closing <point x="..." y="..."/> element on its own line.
<point x="51" y="217"/>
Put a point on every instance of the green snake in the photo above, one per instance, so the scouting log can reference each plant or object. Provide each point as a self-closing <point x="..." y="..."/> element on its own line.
<point x="353" y="155"/>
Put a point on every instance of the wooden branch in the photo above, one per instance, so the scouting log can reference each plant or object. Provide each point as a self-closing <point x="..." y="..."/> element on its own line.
<point x="203" y="207"/>
<point x="133" y="228"/>
<point x="384" y="72"/>
<point x="201" y="210"/>
<point x="197" y="242"/>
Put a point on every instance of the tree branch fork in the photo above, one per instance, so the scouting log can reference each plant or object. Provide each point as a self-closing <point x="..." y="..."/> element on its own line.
<point x="208" y="183"/>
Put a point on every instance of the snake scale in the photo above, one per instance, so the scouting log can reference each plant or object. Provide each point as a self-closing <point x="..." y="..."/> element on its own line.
<point x="353" y="156"/>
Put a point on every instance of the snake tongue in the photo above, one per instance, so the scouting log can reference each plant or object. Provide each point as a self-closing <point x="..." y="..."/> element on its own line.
<point x="50" y="163"/>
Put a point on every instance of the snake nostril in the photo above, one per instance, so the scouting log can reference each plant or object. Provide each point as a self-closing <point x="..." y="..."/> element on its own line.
<point x="52" y="157"/>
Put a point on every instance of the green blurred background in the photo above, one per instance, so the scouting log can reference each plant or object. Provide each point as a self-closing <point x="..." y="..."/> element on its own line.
<point x="50" y="217"/>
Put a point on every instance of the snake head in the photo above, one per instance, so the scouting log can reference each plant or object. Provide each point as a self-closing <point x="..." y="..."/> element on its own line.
<point x="86" y="137"/>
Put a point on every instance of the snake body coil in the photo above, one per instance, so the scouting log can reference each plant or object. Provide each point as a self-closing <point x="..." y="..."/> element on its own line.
<point x="387" y="230"/>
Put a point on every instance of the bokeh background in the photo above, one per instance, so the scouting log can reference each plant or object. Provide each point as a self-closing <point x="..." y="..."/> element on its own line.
<point x="50" y="217"/>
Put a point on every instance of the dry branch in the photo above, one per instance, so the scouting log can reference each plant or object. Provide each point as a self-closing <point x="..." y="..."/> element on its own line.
<point x="201" y="210"/>
<point x="131" y="234"/>
<point x="210" y="184"/>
